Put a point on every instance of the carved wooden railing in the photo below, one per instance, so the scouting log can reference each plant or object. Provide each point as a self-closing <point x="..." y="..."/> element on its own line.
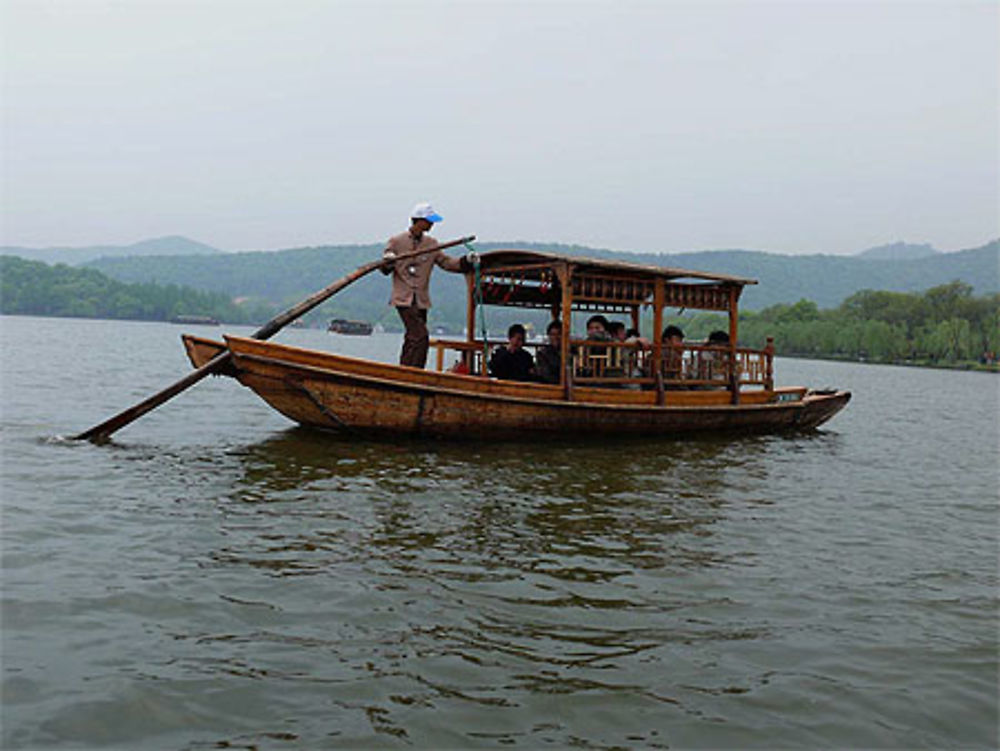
<point x="630" y="364"/>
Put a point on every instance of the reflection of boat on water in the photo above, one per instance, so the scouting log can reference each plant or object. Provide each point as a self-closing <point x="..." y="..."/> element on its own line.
<point x="604" y="388"/>
<point x="344" y="326"/>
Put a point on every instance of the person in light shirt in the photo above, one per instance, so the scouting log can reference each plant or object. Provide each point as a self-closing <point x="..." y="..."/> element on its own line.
<point x="411" y="278"/>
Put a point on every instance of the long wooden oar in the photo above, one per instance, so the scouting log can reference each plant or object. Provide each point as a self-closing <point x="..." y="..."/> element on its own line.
<point x="102" y="432"/>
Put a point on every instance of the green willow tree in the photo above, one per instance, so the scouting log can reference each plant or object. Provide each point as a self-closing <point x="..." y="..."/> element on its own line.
<point x="946" y="324"/>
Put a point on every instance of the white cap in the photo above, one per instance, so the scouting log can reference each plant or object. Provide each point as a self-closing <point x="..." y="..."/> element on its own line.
<point x="425" y="211"/>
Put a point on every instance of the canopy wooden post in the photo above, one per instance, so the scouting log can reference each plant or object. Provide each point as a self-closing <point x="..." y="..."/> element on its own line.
<point x="470" y="309"/>
<point x="565" y="284"/>
<point x="635" y="317"/>
<point x="734" y="317"/>
<point x="769" y="364"/>
<point x="734" y="373"/>
<point x="659" y="298"/>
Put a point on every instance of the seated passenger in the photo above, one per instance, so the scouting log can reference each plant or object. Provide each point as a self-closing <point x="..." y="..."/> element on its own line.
<point x="673" y="336"/>
<point x="712" y="362"/>
<point x="511" y="362"/>
<point x="632" y="336"/>
<point x="616" y="330"/>
<point x="718" y="338"/>
<point x="618" y="355"/>
<point x="594" y="359"/>
<point x="636" y="362"/>
<point x="548" y="359"/>
<point x="597" y="329"/>
<point x="673" y="352"/>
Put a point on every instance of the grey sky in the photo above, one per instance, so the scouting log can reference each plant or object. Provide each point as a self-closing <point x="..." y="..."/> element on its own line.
<point x="796" y="127"/>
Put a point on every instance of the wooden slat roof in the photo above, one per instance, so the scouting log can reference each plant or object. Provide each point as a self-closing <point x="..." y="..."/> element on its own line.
<point x="497" y="260"/>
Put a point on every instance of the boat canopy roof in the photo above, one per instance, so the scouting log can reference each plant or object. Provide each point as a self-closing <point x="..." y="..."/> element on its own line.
<point x="532" y="279"/>
<point x="499" y="260"/>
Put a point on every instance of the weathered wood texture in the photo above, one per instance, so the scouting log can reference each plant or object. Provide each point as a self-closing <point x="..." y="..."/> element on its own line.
<point x="340" y="393"/>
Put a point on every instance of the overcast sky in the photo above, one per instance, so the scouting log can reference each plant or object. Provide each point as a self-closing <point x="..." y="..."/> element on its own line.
<point x="795" y="127"/>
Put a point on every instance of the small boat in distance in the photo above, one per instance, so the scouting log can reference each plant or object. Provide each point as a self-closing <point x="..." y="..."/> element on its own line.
<point x="199" y="320"/>
<point x="355" y="328"/>
<point x="605" y="388"/>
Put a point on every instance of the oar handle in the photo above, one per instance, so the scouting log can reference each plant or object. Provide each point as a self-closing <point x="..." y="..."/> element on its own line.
<point x="104" y="430"/>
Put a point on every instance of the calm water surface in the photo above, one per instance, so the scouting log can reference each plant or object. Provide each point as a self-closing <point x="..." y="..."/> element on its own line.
<point x="217" y="578"/>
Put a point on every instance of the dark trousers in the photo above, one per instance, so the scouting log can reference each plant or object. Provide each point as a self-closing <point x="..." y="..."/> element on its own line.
<point x="415" y="340"/>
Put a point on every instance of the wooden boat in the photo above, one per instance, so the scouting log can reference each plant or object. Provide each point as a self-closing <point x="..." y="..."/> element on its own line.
<point x="606" y="388"/>
<point x="354" y="328"/>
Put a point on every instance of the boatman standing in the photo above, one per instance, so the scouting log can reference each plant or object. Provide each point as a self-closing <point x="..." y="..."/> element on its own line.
<point x="411" y="279"/>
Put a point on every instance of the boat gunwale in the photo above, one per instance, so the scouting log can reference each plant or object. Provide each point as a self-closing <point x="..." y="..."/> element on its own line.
<point x="806" y="401"/>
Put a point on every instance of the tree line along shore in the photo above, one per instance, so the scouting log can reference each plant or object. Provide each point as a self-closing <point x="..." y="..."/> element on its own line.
<point x="944" y="326"/>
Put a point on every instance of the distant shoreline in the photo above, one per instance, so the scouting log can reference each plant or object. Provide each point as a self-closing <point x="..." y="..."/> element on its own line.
<point x="964" y="365"/>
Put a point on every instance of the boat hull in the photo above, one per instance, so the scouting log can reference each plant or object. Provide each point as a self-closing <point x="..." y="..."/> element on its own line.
<point x="333" y="392"/>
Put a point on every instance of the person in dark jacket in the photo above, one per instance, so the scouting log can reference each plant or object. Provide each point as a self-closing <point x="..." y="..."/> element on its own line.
<point x="548" y="359"/>
<point x="511" y="362"/>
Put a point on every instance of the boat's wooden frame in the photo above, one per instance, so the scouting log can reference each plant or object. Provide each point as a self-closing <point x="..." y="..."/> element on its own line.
<point x="663" y="391"/>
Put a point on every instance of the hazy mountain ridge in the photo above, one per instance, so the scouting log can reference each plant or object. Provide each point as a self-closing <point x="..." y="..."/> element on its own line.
<point x="899" y="251"/>
<point x="286" y="276"/>
<point x="169" y="245"/>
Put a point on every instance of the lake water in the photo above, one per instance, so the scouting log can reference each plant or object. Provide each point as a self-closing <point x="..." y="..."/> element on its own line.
<point x="217" y="578"/>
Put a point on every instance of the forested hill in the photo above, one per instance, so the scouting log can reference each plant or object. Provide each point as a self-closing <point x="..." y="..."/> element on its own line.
<point x="35" y="288"/>
<point x="289" y="275"/>
<point x="171" y="245"/>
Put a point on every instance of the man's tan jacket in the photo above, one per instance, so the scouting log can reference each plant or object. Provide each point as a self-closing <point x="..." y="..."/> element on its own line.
<point x="411" y="278"/>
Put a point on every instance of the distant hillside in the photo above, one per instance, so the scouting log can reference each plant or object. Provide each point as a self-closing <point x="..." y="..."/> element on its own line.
<point x="898" y="252"/>
<point x="173" y="245"/>
<point x="35" y="288"/>
<point x="287" y="276"/>
<point x="828" y="280"/>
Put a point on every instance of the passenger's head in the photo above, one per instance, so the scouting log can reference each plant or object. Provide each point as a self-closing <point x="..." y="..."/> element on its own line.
<point x="597" y="325"/>
<point x="673" y="335"/>
<point x="554" y="333"/>
<point x="515" y="337"/>
<point x="718" y="338"/>
<point x="632" y="334"/>
<point x="617" y="330"/>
